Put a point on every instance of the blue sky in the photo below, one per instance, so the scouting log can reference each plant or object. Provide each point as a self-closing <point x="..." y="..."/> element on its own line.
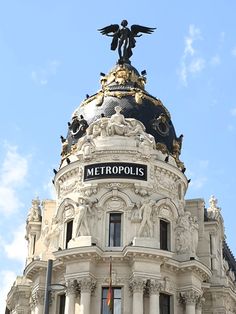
<point x="51" y="57"/>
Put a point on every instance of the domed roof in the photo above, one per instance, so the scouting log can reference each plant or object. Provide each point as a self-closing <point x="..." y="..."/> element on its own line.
<point x="125" y="87"/>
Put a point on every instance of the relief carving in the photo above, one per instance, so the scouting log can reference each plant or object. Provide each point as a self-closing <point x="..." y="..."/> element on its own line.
<point x="186" y="234"/>
<point x="51" y="235"/>
<point x="119" y="125"/>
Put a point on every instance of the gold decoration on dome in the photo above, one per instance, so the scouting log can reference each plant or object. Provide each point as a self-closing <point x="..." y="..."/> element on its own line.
<point x="162" y="147"/>
<point x="139" y="97"/>
<point x="74" y="148"/>
<point x="177" y="145"/>
<point x="121" y="75"/>
<point x="98" y="98"/>
<point x="64" y="147"/>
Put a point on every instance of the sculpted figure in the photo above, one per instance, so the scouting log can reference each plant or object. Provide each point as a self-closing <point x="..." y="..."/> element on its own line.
<point x="51" y="239"/>
<point x="194" y="234"/>
<point x="124" y="38"/>
<point x="35" y="211"/>
<point x="80" y="226"/>
<point x="183" y="234"/>
<point x="137" y="129"/>
<point x="145" y="214"/>
<point x="117" y="124"/>
<point x="187" y="234"/>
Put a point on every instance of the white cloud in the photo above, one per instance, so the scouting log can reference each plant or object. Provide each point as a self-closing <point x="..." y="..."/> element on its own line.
<point x="233" y="112"/>
<point x="215" y="60"/>
<point x="7" y="279"/>
<point x="17" y="248"/>
<point x="197" y="65"/>
<point x="13" y="173"/>
<point x="42" y="75"/>
<point x="191" y="62"/>
<point x="50" y="189"/>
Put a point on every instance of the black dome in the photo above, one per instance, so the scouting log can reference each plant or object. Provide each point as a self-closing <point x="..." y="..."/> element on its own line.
<point x="124" y="87"/>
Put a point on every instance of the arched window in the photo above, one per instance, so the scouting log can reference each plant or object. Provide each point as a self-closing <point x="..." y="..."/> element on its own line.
<point x="164" y="235"/>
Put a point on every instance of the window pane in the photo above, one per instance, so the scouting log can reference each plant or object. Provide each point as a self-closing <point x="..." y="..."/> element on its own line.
<point x="117" y="306"/>
<point x="117" y="293"/>
<point x="116" y="301"/>
<point x="164" y="303"/>
<point x="62" y="301"/>
<point x="164" y="229"/>
<point x="115" y="230"/>
<point x="69" y="227"/>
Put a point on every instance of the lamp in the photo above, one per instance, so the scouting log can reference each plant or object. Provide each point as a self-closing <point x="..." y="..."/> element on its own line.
<point x="50" y="287"/>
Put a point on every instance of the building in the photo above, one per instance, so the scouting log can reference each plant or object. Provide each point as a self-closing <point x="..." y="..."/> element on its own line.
<point x="121" y="218"/>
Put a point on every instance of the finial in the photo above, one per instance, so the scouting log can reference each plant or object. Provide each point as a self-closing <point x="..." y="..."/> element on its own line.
<point x="124" y="38"/>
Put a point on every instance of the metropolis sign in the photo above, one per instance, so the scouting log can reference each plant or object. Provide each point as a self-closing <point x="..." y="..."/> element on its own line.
<point x="120" y="170"/>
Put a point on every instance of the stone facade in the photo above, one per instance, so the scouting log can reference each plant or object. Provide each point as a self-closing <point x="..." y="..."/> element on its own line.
<point x="168" y="248"/>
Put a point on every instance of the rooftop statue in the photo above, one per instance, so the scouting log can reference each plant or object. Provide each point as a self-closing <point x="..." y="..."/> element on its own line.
<point x="124" y="38"/>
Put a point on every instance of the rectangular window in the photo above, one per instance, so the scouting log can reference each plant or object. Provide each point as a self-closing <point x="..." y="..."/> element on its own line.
<point x="115" y="307"/>
<point x="62" y="302"/>
<point x="164" y="235"/>
<point x="115" y="230"/>
<point x="164" y="303"/>
<point x="69" y="228"/>
<point x="34" y="243"/>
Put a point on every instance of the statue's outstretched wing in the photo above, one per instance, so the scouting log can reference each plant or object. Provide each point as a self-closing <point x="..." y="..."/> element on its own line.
<point x="135" y="29"/>
<point x="109" y="29"/>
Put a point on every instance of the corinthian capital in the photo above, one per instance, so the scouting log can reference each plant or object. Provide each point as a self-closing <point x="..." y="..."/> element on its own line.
<point x="154" y="286"/>
<point x="189" y="297"/>
<point x="137" y="285"/>
<point x="37" y="297"/>
<point x="71" y="287"/>
<point x="87" y="284"/>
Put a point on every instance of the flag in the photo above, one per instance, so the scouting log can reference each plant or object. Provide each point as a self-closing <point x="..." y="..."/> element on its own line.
<point x="109" y="293"/>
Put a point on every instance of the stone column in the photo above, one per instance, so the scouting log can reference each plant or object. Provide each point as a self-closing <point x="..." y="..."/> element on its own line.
<point x="189" y="298"/>
<point x="87" y="286"/>
<point x="200" y="301"/>
<point x="154" y="294"/>
<point x="136" y="286"/>
<point x="70" y="297"/>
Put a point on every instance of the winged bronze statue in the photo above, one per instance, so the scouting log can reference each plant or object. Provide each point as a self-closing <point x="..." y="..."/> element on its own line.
<point x="124" y="38"/>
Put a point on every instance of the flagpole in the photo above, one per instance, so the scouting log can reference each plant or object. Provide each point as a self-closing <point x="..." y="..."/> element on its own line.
<point x="109" y="293"/>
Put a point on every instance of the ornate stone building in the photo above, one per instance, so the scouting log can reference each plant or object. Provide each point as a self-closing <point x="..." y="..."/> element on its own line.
<point x="121" y="193"/>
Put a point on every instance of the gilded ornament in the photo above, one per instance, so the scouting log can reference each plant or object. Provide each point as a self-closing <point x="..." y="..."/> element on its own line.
<point x="162" y="147"/>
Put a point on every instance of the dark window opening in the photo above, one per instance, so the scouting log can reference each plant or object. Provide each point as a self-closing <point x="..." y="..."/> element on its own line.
<point x="34" y="242"/>
<point x="69" y="228"/>
<point x="164" y="303"/>
<point x="115" y="305"/>
<point x="164" y="235"/>
<point x="62" y="302"/>
<point x="115" y="230"/>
